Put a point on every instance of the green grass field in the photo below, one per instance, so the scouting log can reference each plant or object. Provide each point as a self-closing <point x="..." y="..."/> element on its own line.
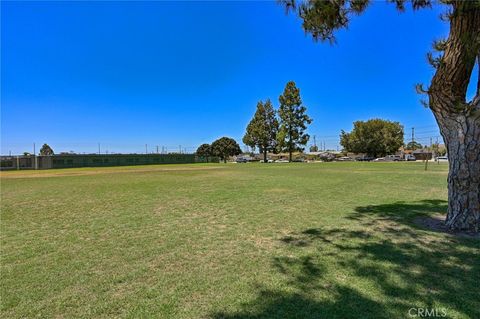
<point x="323" y="240"/>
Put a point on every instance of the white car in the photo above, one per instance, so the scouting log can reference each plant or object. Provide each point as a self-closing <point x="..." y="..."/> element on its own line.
<point x="380" y="159"/>
<point x="392" y="158"/>
<point x="442" y="159"/>
<point x="268" y="161"/>
<point x="281" y="161"/>
<point x="410" y="157"/>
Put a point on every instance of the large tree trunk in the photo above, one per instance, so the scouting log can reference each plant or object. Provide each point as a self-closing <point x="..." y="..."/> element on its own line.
<point x="290" y="146"/>
<point x="462" y="137"/>
<point x="459" y="120"/>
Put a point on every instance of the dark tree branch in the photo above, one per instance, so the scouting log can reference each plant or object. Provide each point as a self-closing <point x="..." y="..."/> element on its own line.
<point x="450" y="82"/>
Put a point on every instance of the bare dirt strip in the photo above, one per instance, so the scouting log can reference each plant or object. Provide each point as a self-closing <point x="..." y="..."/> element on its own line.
<point x="97" y="171"/>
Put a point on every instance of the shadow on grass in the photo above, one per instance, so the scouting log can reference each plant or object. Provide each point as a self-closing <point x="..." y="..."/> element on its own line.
<point x="380" y="266"/>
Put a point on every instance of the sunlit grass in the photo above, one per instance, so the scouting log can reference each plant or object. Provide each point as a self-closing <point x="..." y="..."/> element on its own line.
<point x="325" y="240"/>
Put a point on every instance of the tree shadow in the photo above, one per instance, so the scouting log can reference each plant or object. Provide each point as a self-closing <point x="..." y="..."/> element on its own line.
<point x="378" y="266"/>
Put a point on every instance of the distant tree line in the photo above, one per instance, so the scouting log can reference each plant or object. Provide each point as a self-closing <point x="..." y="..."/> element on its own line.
<point x="223" y="148"/>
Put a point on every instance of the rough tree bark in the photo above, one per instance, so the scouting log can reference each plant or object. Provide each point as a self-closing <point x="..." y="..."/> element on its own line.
<point x="459" y="120"/>
<point x="462" y="137"/>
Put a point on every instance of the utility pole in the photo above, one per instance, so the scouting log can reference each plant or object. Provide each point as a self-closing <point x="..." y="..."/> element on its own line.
<point x="146" y="149"/>
<point x="157" y="149"/>
<point x="180" y="148"/>
<point x="315" y="141"/>
<point x="35" y="165"/>
<point x="413" y="135"/>
<point x="98" y="148"/>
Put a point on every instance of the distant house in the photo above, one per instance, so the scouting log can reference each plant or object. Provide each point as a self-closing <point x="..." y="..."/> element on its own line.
<point x="422" y="155"/>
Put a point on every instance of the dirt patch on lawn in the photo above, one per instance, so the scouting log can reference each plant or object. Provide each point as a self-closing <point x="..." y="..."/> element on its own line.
<point x="97" y="171"/>
<point x="436" y="223"/>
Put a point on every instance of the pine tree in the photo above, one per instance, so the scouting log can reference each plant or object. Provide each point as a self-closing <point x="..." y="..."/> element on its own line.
<point x="46" y="150"/>
<point x="293" y="120"/>
<point x="262" y="129"/>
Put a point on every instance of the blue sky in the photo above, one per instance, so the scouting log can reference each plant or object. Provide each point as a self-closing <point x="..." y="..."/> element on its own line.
<point x="183" y="73"/>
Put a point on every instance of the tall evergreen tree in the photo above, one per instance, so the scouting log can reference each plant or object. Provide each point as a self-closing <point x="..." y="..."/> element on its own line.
<point x="458" y="118"/>
<point x="293" y="120"/>
<point x="46" y="150"/>
<point x="262" y="129"/>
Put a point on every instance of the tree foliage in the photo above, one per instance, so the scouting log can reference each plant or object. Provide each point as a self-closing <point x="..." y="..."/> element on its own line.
<point x="321" y="18"/>
<point x="374" y="137"/>
<point x="413" y="146"/>
<point x="293" y="120"/>
<point x="262" y="129"/>
<point x="225" y="147"/>
<point x="204" y="150"/>
<point x="46" y="150"/>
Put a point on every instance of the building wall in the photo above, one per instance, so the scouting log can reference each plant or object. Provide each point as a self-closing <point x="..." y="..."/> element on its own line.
<point x="14" y="162"/>
<point x="95" y="160"/>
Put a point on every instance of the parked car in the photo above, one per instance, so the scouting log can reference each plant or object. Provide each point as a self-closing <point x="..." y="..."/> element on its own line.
<point x="442" y="158"/>
<point x="365" y="158"/>
<point x="299" y="160"/>
<point x="281" y="161"/>
<point x="393" y="158"/>
<point x="344" y="159"/>
<point x="268" y="161"/>
<point x="380" y="159"/>
<point x="410" y="157"/>
<point x="241" y="160"/>
<point x="326" y="157"/>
